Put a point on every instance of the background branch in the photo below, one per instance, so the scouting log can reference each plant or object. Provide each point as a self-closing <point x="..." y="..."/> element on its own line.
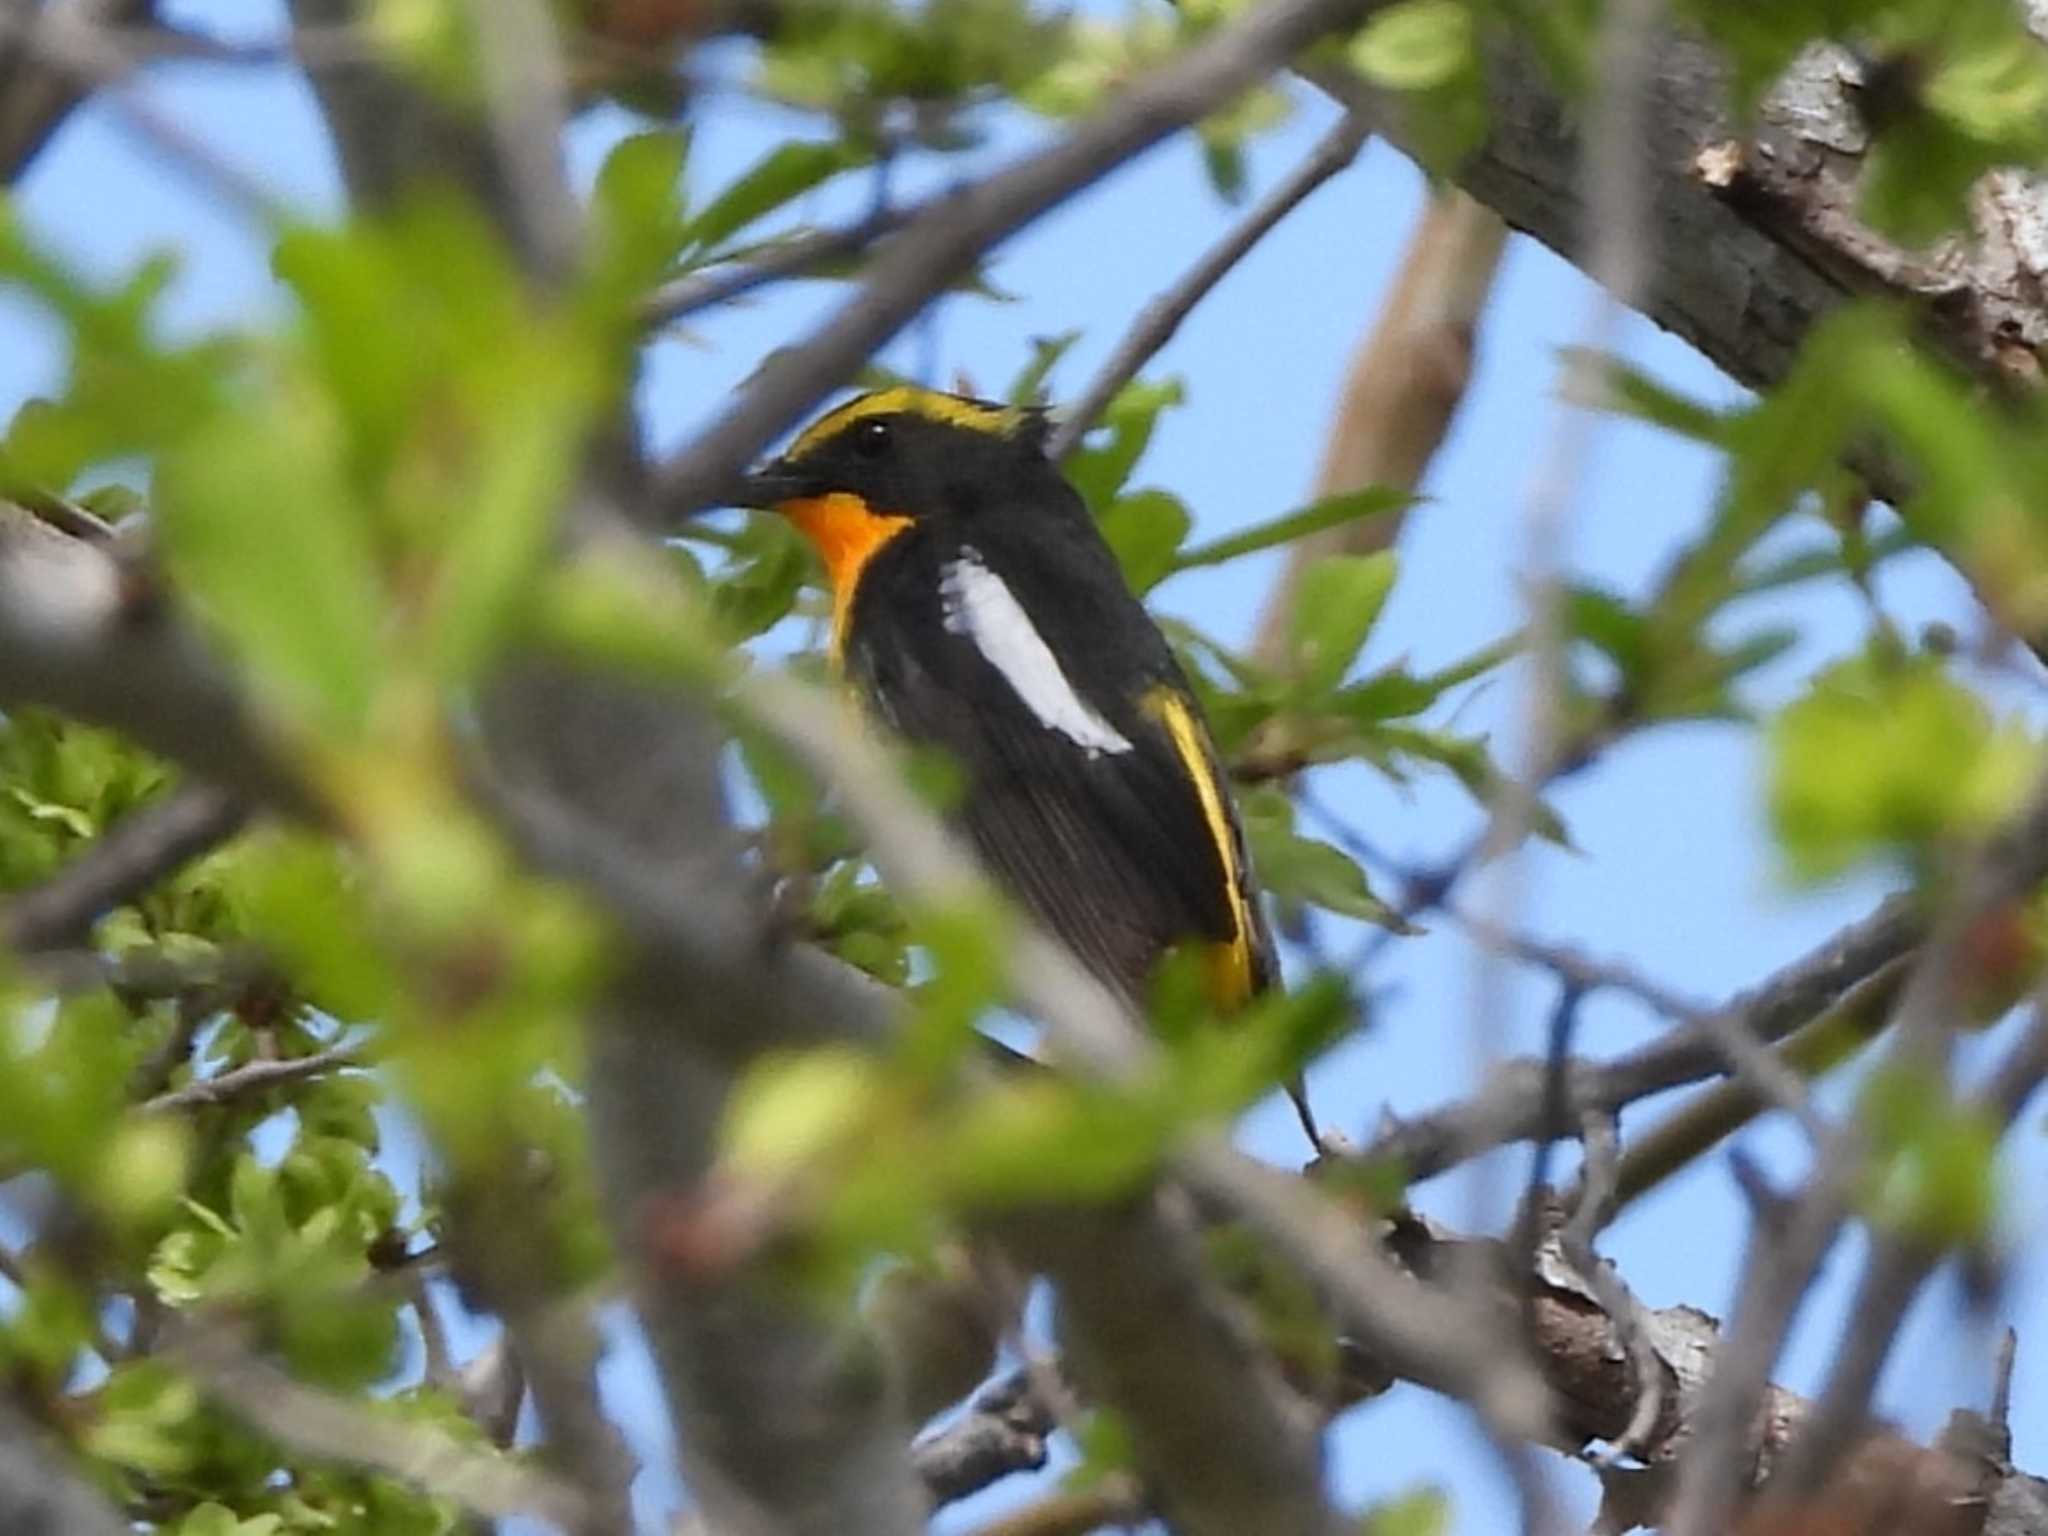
<point x="1158" y="320"/>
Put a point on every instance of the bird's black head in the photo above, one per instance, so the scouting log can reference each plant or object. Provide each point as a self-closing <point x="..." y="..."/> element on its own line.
<point x="910" y="453"/>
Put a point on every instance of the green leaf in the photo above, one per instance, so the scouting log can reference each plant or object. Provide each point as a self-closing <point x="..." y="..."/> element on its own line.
<point x="1301" y="869"/>
<point x="1427" y="1513"/>
<point x="262" y="532"/>
<point x="529" y="425"/>
<point x="1037" y="1139"/>
<point x="1932" y="1173"/>
<point x="1145" y="529"/>
<point x="637" y="223"/>
<point x="1098" y="472"/>
<point x="1223" y="159"/>
<point x="1626" y="390"/>
<point x="1028" y="388"/>
<point x="303" y="902"/>
<point x="1415" y="45"/>
<point x="142" y="1420"/>
<point x="1888" y="756"/>
<point x="1104" y="1443"/>
<point x="1331" y="512"/>
<point x="791" y="1109"/>
<point x="1607" y="623"/>
<point x="784" y="173"/>
<point x="1336" y="605"/>
<point x="1305" y="869"/>
<point x="761" y="589"/>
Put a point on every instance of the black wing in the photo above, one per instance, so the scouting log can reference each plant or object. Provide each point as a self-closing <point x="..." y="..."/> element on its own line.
<point x="1122" y="854"/>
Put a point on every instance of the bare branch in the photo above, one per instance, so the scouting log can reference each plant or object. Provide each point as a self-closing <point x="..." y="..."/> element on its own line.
<point x="1158" y="320"/>
<point x="1897" y="1268"/>
<point x="1401" y="391"/>
<point x="1584" y="972"/>
<point x="527" y="90"/>
<point x="67" y="54"/>
<point x="1002" y="1431"/>
<point x="254" y="1078"/>
<point x="1510" y="1105"/>
<point x="1781" y="1262"/>
<point x="796" y="256"/>
<point x="1710" y="1117"/>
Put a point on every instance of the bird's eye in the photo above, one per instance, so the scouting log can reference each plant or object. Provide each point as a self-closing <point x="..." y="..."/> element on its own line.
<point x="872" y="439"/>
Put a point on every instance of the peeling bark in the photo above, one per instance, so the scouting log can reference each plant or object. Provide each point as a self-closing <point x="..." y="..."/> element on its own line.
<point x="1756" y="227"/>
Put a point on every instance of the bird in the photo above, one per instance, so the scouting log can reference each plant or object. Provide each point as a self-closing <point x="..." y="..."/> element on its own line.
<point x="978" y="609"/>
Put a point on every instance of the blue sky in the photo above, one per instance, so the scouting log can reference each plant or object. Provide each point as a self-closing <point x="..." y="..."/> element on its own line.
<point x="1673" y="872"/>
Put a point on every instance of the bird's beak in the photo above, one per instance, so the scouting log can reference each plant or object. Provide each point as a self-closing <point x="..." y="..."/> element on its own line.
<point x="771" y="486"/>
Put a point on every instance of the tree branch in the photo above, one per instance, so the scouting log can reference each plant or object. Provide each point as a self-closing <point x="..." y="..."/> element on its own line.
<point x="39" y="1496"/>
<point x="942" y="244"/>
<point x="1512" y="1104"/>
<point x="1401" y="392"/>
<point x="36" y="97"/>
<point x="1158" y="320"/>
<point x="74" y="635"/>
<point x="1756" y="239"/>
<point x="253" y="1078"/>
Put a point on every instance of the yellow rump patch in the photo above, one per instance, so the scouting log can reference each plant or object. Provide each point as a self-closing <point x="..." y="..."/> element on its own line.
<point x="1230" y="963"/>
<point x="908" y="400"/>
<point x="847" y="533"/>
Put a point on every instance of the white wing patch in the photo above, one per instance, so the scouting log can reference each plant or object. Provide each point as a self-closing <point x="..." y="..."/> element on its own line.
<point x="980" y="606"/>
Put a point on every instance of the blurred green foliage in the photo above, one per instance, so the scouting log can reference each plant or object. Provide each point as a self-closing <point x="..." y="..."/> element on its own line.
<point x="365" y="506"/>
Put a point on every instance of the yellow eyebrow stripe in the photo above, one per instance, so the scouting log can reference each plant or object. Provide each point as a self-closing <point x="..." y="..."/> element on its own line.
<point x="1230" y="974"/>
<point x="907" y="399"/>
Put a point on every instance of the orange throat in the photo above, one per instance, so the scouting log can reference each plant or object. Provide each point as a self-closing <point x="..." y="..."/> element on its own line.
<point x="847" y="534"/>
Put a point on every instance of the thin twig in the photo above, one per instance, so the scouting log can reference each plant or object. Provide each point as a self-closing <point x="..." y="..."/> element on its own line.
<point x="1511" y="1106"/>
<point x="1716" y="1113"/>
<point x="2000" y="1410"/>
<point x="1784" y="1255"/>
<point x="797" y="256"/>
<point x="943" y="243"/>
<point x="1898" y="1266"/>
<point x="74" y="48"/>
<point x="256" y="1077"/>
<point x="1158" y="320"/>
<point x="1583" y="972"/>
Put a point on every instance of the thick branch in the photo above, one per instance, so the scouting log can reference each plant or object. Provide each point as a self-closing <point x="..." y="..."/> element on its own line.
<point x="39" y="1496"/>
<point x="76" y="635"/>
